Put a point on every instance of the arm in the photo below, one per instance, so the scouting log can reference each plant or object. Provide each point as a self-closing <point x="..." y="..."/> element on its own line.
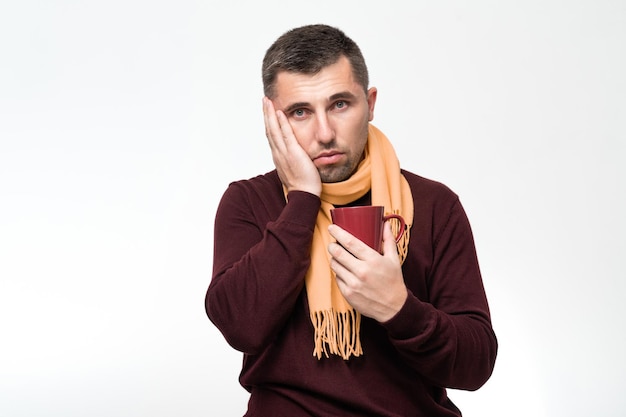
<point x="261" y="254"/>
<point x="262" y="250"/>
<point x="449" y="339"/>
<point x="443" y="328"/>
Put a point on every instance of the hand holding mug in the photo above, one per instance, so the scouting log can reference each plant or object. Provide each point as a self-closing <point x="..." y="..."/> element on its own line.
<point x="371" y="282"/>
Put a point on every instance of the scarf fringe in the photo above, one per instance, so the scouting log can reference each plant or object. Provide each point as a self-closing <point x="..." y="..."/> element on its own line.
<point x="403" y="243"/>
<point x="337" y="333"/>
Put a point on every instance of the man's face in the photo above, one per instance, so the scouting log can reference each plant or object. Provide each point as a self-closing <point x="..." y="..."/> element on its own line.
<point x="329" y="114"/>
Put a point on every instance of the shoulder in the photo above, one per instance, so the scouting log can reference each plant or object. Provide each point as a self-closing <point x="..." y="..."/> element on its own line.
<point x="429" y="190"/>
<point x="262" y="186"/>
<point x="437" y="210"/>
<point x="260" y="194"/>
<point x="261" y="199"/>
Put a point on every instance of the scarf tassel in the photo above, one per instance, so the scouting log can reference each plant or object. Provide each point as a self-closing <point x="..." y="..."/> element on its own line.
<point x="337" y="333"/>
<point x="403" y="243"/>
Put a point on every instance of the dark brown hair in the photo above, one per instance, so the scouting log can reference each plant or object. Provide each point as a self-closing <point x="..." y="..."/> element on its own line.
<point x="309" y="49"/>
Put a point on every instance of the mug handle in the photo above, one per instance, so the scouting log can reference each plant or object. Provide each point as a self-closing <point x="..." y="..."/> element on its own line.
<point x="402" y="225"/>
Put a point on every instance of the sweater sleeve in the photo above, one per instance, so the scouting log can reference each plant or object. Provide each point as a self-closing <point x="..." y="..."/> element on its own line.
<point x="261" y="255"/>
<point x="445" y="333"/>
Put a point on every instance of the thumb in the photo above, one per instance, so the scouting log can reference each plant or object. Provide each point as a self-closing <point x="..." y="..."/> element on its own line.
<point x="389" y="240"/>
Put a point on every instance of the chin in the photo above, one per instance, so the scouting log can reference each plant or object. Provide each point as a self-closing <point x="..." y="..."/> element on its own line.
<point x="338" y="174"/>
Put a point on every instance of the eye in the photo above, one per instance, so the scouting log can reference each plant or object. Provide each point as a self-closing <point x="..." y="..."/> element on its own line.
<point x="341" y="104"/>
<point x="299" y="113"/>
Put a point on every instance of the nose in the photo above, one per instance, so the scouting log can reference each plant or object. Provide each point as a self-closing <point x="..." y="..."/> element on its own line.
<point x="324" y="130"/>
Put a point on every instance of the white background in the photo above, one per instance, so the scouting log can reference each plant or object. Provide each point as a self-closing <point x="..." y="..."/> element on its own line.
<point x="122" y="122"/>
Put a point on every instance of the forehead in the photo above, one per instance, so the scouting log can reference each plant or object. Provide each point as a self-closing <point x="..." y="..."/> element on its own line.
<point x="299" y="87"/>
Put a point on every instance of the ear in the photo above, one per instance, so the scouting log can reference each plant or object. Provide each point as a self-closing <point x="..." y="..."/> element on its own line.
<point x="371" y="101"/>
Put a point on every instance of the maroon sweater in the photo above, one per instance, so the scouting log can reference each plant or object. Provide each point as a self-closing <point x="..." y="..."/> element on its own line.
<point x="442" y="337"/>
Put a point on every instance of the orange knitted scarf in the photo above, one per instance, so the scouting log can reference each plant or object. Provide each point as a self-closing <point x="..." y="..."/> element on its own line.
<point x="335" y="321"/>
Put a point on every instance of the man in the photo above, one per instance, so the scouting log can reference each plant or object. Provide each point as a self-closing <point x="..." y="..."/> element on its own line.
<point x="328" y="326"/>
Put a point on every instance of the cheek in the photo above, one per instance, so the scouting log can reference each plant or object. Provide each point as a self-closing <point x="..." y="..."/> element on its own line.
<point x="361" y="133"/>
<point x="303" y="136"/>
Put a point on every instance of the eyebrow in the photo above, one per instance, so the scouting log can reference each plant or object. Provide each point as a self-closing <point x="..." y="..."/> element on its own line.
<point x="342" y="95"/>
<point x="295" y="106"/>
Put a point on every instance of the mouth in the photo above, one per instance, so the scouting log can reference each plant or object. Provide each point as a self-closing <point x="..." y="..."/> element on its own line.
<point x="328" y="158"/>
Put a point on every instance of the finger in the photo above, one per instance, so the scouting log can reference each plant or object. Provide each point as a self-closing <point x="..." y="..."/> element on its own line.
<point x="288" y="137"/>
<point x="346" y="280"/>
<point x="341" y="272"/>
<point x="279" y="130"/>
<point x="342" y="258"/>
<point x="273" y="130"/>
<point x="353" y="245"/>
<point x="285" y="128"/>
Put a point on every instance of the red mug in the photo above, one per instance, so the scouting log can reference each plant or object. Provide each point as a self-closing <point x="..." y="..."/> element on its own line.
<point x="366" y="223"/>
